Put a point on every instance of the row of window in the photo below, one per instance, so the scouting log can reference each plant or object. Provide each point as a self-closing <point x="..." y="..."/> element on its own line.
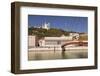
<point x="54" y="42"/>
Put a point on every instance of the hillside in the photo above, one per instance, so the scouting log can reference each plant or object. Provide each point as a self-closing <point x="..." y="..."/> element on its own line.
<point x="52" y="32"/>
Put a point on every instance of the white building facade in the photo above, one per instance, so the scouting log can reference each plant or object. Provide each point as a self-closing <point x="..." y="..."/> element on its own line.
<point x="51" y="41"/>
<point x="31" y="41"/>
<point x="55" y="41"/>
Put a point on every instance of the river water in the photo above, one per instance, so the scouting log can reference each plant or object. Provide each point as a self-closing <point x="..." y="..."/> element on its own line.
<point x="52" y="55"/>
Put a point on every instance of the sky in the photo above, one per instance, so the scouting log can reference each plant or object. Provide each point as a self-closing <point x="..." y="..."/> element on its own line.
<point x="67" y="23"/>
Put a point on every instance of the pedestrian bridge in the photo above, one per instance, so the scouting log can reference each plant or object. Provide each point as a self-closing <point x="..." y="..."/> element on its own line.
<point x="76" y="43"/>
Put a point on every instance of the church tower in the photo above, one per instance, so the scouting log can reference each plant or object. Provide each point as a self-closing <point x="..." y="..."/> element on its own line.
<point x="46" y="26"/>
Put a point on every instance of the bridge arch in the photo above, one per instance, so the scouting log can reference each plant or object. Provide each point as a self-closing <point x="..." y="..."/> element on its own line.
<point x="78" y="43"/>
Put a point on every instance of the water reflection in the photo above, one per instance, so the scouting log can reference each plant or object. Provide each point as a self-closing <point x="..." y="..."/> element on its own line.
<point x="52" y="55"/>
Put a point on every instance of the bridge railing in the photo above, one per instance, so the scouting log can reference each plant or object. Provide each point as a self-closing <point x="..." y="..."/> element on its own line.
<point x="78" y="43"/>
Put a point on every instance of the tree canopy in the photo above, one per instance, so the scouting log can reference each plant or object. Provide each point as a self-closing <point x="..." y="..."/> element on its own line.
<point x="52" y="32"/>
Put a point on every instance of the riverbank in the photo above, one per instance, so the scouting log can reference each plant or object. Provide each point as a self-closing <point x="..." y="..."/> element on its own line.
<point x="57" y="48"/>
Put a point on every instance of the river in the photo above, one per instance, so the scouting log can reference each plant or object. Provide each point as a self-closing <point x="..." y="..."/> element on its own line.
<point x="52" y="55"/>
